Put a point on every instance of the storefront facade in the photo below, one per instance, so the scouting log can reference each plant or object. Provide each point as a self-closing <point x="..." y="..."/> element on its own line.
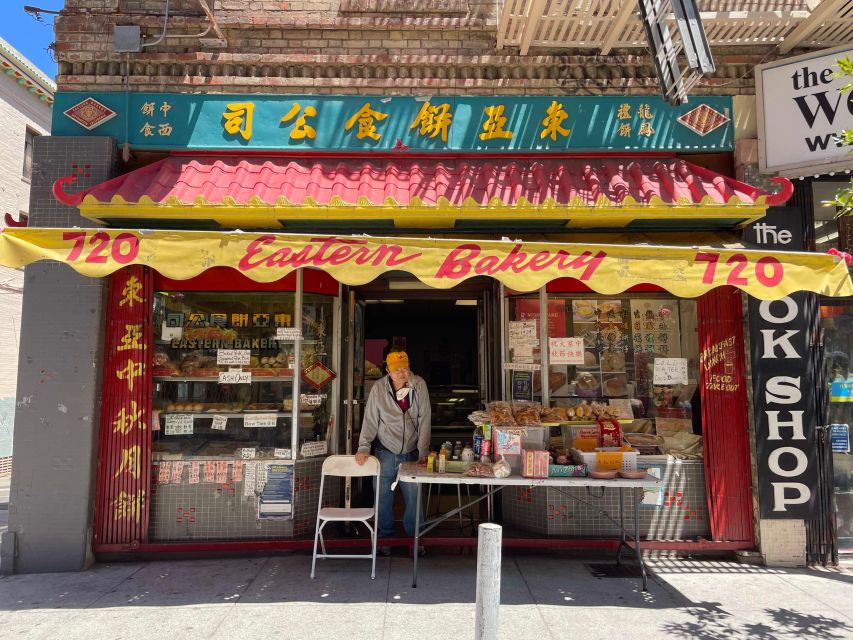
<point x="818" y="171"/>
<point x="227" y="370"/>
<point x="216" y="333"/>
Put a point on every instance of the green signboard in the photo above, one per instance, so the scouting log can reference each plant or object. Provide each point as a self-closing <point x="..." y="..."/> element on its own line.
<point x="365" y="123"/>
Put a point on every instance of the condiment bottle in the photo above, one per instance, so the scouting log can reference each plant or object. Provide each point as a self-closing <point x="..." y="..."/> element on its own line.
<point x="442" y="460"/>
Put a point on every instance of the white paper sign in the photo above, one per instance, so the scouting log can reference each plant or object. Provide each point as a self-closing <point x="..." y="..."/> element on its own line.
<point x="522" y="353"/>
<point x="312" y="399"/>
<point x="259" y="420"/>
<point x="235" y="377"/>
<point x="288" y="333"/>
<point x="179" y="424"/>
<point x="219" y="423"/>
<point x="670" y="371"/>
<point x="250" y="476"/>
<point x="233" y="356"/>
<point x="171" y="333"/>
<point x="248" y="453"/>
<point x="281" y="453"/>
<point x="520" y="366"/>
<point x="565" y="350"/>
<point x="522" y="334"/>
<point x="311" y="449"/>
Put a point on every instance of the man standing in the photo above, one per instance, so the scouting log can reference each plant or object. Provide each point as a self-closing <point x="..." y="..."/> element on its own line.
<point x="398" y="418"/>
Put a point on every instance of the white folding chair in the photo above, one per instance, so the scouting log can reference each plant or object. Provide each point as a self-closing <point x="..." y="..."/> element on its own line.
<point x="347" y="467"/>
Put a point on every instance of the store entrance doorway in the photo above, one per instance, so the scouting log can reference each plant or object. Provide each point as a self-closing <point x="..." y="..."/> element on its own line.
<point x="449" y="336"/>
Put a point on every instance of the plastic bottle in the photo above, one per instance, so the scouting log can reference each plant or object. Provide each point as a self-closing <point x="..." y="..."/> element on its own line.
<point x="431" y="462"/>
<point x="442" y="460"/>
<point x="457" y="450"/>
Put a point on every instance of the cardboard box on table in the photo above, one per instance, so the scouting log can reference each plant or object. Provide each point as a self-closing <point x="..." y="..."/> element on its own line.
<point x="510" y="441"/>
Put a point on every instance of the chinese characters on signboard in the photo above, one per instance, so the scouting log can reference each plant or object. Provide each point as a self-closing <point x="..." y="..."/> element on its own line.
<point x="452" y="123"/>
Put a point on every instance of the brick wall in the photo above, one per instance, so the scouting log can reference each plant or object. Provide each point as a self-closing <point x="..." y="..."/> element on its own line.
<point x="349" y="47"/>
<point x="19" y="109"/>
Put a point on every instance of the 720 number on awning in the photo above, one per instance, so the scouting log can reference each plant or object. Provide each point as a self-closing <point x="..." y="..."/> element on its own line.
<point x="123" y="248"/>
<point x="768" y="270"/>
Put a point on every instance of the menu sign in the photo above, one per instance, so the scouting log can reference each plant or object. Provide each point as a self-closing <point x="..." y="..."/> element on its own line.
<point x="233" y="356"/>
<point x="260" y="420"/>
<point x="179" y="424"/>
<point x="655" y="327"/>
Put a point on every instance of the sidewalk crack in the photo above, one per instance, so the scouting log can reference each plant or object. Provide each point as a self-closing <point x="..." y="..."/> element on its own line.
<point x="533" y="598"/>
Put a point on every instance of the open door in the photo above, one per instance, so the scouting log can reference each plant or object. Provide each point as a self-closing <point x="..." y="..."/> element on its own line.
<point x="352" y="391"/>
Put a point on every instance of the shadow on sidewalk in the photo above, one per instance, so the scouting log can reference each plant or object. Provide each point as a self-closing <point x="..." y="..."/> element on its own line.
<point x="703" y="600"/>
<point x="714" y="623"/>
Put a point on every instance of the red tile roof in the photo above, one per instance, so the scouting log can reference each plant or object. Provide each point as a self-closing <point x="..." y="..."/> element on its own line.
<point x="582" y="183"/>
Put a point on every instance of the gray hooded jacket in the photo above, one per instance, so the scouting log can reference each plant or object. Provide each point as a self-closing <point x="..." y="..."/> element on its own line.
<point x="397" y="431"/>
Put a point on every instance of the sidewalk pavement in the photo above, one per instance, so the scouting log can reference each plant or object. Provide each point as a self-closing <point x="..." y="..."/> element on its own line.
<point x="544" y="597"/>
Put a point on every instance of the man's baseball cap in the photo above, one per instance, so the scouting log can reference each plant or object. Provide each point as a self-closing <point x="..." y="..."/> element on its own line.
<point x="397" y="360"/>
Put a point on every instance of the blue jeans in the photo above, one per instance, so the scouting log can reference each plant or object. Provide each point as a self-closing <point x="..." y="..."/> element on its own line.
<point x="388" y="465"/>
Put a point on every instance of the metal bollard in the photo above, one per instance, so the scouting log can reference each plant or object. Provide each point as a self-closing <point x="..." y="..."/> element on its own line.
<point x="487" y="622"/>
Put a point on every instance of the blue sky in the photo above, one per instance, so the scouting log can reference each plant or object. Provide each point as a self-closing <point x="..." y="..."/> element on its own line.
<point x="29" y="36"/>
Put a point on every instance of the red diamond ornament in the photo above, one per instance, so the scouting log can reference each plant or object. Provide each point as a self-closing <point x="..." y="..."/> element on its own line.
<point x="703" y="119"/>
<point x="90" y="113"/>
<point x="318" y="375"/>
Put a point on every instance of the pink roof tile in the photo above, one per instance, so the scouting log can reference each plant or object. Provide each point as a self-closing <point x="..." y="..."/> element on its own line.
<point x="576" y="182"/>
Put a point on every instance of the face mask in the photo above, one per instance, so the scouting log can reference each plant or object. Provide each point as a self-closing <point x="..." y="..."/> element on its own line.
<point x="402" y="393"/>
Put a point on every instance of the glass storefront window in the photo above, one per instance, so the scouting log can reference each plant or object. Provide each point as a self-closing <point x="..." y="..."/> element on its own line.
<point x="621" y="340"/>
<point x="198" y="336"/>
<point x="837" y="324"/>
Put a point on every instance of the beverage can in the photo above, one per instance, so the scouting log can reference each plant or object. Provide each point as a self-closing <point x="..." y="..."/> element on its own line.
<point x="485" y="447"/>
<point x="478" y="443"/>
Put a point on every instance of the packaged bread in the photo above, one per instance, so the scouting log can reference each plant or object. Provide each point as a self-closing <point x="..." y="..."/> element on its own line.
<point x="500" y="414"/>
<point x="553" y="414"/>
<point x="526" y="414"/>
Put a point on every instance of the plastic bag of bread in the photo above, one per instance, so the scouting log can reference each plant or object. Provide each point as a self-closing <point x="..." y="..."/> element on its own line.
<point x="526" y="414"/>
<point x="500" y="414"/>
<point x="553" y="414"/>
<point x="478" y="470"/>
<point x="501" y="468"/>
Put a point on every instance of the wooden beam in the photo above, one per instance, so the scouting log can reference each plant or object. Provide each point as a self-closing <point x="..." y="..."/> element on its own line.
<point x="628" y="9"/>
<point x="826" y="9"/>
<point x="504" y="23"/>
<point x="530" y="23"/>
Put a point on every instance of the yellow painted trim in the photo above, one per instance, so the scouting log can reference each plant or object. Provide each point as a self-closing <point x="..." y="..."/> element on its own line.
<point x="261" y="215"/>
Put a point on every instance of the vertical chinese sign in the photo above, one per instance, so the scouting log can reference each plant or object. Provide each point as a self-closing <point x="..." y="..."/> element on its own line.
<point x="124" y="456"/>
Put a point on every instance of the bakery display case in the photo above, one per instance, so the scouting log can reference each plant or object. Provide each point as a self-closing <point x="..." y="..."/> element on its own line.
<point x="227" y="367"/>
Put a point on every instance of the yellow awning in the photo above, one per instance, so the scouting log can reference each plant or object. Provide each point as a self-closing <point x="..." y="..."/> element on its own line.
<point x="442" y="263"/>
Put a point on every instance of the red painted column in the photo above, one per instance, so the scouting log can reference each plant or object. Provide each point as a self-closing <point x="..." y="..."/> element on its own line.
<point x="725" y="422"/>
<point x="124" y="452"/>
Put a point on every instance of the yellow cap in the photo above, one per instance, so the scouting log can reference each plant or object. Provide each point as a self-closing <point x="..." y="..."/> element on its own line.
<point x="397" y="360"/>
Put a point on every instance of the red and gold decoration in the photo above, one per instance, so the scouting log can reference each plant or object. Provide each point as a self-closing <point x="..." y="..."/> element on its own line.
<point x="123" y="483"/>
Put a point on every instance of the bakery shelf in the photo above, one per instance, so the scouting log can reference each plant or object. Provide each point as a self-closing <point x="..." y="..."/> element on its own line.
<point x="216" y="379"/>
<point x="232" y="414"/>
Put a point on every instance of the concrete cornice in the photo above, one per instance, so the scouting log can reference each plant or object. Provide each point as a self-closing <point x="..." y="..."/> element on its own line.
<point x="25" y="73"/>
